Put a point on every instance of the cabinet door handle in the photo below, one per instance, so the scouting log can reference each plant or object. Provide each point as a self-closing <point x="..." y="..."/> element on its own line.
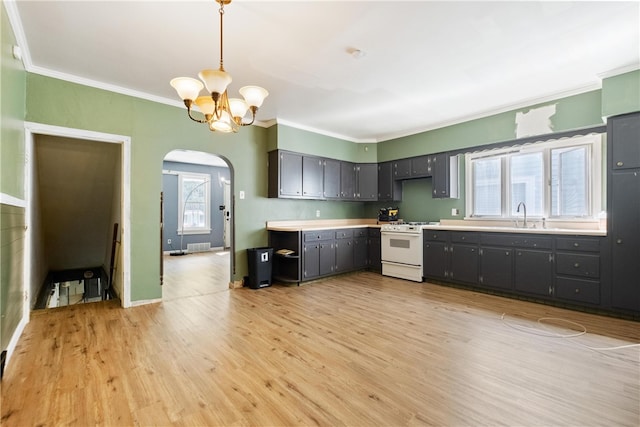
<point x="577" y="290"/>
<point x="506" y="253"/>
<point x="619" y="241"/>
<point x="576" y="265"/>
<point x="576" y="244"/>
<point x="620" y="164"/>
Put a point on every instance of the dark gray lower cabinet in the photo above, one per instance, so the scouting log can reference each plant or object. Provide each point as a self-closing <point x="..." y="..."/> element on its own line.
<point x="434" y="260"/>
<point x="327" y="258"/>
<point x="533" y="272"/>
<point x="375" y="249"/>
<point x="327" y="252"/>
<point x="578" y="270"/>
<point x="625" y="236"/>
<point x="311" y="260"/>
<point x="464" y="263"/>
<point x="318" y="254"/>
<point x="344" y="255"/>
<point x="360" y="248"/>
<point x="496" y="267"/>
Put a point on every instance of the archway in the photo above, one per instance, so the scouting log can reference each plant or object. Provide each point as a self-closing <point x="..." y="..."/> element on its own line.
<point x="197" y="224"/>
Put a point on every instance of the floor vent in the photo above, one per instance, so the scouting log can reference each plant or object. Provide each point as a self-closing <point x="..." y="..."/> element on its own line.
<point x="198" y="247"/>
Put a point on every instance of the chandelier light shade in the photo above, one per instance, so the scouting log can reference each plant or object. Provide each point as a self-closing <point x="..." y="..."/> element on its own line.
<point x="221" y="113"/>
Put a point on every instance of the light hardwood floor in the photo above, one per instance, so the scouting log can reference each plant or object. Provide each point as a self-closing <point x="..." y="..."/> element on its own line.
<point x="195" y="274"/>
<point x="358" y="350"/>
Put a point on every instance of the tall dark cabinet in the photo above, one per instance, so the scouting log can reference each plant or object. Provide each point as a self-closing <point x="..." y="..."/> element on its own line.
<point x="624" y="210"/>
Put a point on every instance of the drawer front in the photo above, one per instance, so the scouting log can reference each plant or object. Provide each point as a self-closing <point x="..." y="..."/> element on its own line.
<point x="578" y="265"/>
<point x="435" y="235"/>
<point x="360" y="232"/>
<point x="535" y="242"/>
<point x="578" y="290"/>
<point x="518" y="240"/>
<point x="344" y="234"/>
<point x="462" y="237"/>
<point x="314" y="236"/>
<point x="374" y="232"/>
<point x="578" y="244"/>
<point x="498" y="239"/>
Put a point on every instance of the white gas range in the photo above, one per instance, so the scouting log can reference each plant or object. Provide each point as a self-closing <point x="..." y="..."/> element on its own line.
<point x="402" y="249"/>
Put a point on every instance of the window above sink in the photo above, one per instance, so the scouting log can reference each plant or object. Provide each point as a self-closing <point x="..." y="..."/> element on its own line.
<point x="558" y="179"/>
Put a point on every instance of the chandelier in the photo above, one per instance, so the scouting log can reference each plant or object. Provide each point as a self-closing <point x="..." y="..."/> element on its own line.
<point x="220" y="112"/>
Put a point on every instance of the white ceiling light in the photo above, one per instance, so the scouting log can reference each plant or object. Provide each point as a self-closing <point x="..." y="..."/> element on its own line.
<point x="220" y="113"/>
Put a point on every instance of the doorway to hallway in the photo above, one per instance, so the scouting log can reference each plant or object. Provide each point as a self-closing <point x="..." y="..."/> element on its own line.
<point x="196" y="224"/>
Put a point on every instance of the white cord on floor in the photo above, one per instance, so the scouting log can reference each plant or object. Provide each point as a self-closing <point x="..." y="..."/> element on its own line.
<point x="550" y="334"/>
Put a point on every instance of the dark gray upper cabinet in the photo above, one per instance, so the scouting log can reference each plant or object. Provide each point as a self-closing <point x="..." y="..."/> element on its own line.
<point x="347" y="180"/>
<point x="421" y="167"/>
<point x="388" y="188"/>
<point x="294" y="175"/>
<point x="312" y="177"/>
<point x="331" y="179"/>
<point x="624" y="133"/>
<point x="445" y="176"/>
<point x="285" y="174"/>
<point x="367" y="181"/>
<point x="401" y="169"/>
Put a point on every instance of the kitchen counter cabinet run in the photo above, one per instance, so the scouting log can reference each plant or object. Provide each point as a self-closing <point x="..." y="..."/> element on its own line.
<point x="324" y="252"/>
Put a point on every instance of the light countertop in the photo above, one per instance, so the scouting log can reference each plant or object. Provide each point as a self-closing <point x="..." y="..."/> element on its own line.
<point x="573" y="229"/>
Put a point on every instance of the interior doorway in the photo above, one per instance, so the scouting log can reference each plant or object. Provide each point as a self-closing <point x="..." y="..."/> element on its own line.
<point x="197" y="224"/>
<point x="77" y="188"/>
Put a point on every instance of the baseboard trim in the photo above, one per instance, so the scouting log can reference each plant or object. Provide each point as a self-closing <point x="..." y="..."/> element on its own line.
<point x="14" y="341"/>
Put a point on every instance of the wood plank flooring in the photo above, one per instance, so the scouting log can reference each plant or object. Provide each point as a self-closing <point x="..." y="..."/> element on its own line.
<point x="195" y="274"/>
<point x="358" y="350"/>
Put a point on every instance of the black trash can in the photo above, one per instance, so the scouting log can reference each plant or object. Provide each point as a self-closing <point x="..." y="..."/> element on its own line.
<point x="260" y="267"/>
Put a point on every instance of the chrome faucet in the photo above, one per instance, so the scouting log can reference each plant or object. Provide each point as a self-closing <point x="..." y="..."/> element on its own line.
<point x="524" y="207"/>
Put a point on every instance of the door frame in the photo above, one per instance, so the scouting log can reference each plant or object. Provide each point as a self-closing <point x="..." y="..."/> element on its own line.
<point x="228" y="213"/>
<point x="32" y="129"/>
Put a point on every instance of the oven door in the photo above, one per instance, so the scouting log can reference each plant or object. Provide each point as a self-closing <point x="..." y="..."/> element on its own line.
<point x="402" y="248"/>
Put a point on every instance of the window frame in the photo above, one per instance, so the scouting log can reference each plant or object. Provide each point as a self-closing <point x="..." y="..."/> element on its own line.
<point x="595" y="183"/>
<point x="206" y="178"/>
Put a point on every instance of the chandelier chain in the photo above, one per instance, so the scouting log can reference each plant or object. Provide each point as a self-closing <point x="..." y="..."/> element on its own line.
<point x="221" y="11"/>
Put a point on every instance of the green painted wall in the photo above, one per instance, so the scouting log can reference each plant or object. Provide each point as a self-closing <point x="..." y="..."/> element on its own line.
<point x="12" y="221"/>
<point x="306" y="142"/>
<point x="155" y="129"/>
<point x="621" y="94"/>
<point x="12" y="109"/>
<point x="12" y="155"/>
<point x="572" y="112"/>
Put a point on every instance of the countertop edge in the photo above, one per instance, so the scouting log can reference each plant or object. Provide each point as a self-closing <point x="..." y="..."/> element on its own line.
<point x="544" y="231"/>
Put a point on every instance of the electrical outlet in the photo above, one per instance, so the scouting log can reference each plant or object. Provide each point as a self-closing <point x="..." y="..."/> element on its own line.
<point x="455" y="212"/>
<point x="318" y="213"/>
<point x="168" y="241"/>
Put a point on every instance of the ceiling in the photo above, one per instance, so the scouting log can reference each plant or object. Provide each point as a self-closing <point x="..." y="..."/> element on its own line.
<point x="426" y="64"/>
